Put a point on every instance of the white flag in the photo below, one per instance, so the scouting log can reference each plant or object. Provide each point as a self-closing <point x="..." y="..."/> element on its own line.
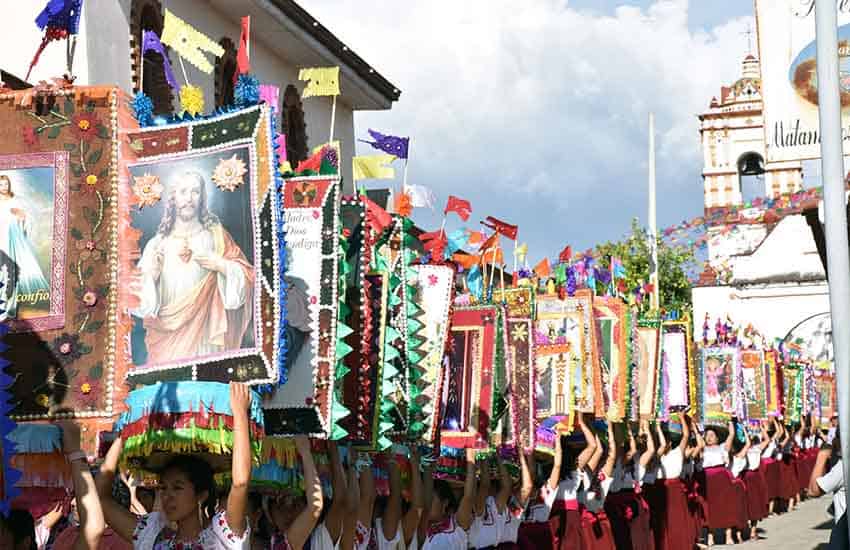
<point x="420" y="196"/>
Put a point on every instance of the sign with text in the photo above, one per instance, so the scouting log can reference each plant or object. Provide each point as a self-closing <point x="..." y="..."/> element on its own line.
<point x="788" y="51"/>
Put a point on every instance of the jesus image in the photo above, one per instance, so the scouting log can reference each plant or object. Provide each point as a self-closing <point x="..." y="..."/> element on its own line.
<point x="196" y="284"/>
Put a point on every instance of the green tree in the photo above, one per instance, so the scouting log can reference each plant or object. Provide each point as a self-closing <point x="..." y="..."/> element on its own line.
<point x="674" y="263"/>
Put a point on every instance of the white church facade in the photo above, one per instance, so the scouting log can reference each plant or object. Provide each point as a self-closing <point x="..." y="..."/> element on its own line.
<point x="766" y="271"/>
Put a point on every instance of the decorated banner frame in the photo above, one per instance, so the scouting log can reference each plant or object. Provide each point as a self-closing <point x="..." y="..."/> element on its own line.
<point x="720" y="373"/>
<point x="648" y="363"/>
<point x="613" y="335"/>
<point x="467" y="388"/>
<point x="772" y="383"/>
<point x="753" y="384"/>
<point x="675" y="388"/>
<point x="26" y="170"/>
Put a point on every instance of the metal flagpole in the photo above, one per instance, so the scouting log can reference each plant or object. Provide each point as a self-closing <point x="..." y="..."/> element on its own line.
<point x="653" y="242"/>
<point x="835" y="213"/>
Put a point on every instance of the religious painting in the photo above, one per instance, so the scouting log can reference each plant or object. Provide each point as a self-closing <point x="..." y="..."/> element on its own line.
<point x="202" y="254"/>
<point x="752" y="372"/>
<point x="825" y="388"/>
<point x="33" y="229"/>
<point x="612" y="340"/>
<point x="648" y="357"/>
<point x="197" y="267"/>
<point x="793" y="382"/>
<point x="719" y="372"/>
<point x="674" y="383"/>
<point x="467" y="387"/>
<point x="519" y="308"/>
<point x="772" y="386"/>
<point x="435" y="285"/>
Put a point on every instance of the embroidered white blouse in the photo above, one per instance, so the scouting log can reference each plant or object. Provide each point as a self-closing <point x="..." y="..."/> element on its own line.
<point x="152" y="533"/>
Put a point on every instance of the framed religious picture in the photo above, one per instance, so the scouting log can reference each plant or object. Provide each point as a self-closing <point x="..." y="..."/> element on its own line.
<point x="33" y="228"/>
<point x="772" y="383"/>
<point x="613" y="340"/>
<point x="467" y="387"/>
<point x="519" y="309"/>
<point x="674" y="392"/>
<point x="753" y="387"/>
<point x="201" y="262"/>
<point x="647" y="361"/>
<point x="825" y="388"/>
<point x="719" y="375"/>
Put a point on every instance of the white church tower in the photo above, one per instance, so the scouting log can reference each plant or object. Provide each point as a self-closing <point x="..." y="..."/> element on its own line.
<point x="732" y="134"/>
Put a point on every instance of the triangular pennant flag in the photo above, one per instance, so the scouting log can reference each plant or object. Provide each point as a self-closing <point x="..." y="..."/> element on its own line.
<point x="243" y="63"/>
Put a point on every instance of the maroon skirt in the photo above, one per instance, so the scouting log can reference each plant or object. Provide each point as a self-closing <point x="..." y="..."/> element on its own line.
<point x="696" y="505"/>
<point x="725" y="502"/>
<point x="757" y="502"/>
<point x="788" y="486"/>
<point x="569" y="533"/>
<point x="596" y="531"/>
<point x="539" y="536"/>
<point x="672" y="524"/>
<point x="629" y="517"/>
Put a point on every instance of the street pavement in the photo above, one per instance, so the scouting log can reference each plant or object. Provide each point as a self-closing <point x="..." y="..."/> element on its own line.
<point x="806" y="528"/>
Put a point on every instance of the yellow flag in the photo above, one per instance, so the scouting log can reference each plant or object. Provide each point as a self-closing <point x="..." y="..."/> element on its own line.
<point x="373" y="167"/>
<point x="189" y="43"/>
<point x="322" y="81"/>
<point x="521" y="251"/>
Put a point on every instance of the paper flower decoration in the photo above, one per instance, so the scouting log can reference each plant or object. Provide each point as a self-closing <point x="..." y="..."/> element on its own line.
<point x="247" y="90"/>
<point x="230" y="173"/>
<point x="148" y="189"/>
<point x="85" y="126"/>
<point x="192" y="99"/>
<point x="143" y="109"/>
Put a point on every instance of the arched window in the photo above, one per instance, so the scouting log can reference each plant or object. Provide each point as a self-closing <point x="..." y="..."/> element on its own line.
<point x="751" y="176"/>
<point x="294" y="126"/>
<point x="146" y="15"/>
<point x="225" y="70"/>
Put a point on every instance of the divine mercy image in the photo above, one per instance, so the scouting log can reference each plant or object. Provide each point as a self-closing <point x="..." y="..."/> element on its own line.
<point x="196" y="294"/>
<point x="26" y="232"/>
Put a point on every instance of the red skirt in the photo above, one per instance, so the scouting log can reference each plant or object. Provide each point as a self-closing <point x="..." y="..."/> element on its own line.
<point x="629" y="517"/>
<point x="539" y="536"/>
<point x="671" y="523"/>
<point x="696" y="505"/>
<point x="569" y="535"/>
<point x="757" y="502"/>
<point x="788" y="486"/>
<point x="771" y="477"/>
<point x="726" y="502"/>
<point x="596" y="531"/>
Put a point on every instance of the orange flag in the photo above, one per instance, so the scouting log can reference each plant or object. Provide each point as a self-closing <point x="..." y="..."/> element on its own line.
<point x="542" y="269"/>
<point x="476" y="237"/>
<point x="466" y="261"/>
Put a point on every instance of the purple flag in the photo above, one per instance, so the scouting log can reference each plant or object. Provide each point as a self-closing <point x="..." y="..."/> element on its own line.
<point x="61" y="14"/>
<point x="150" y="41"/>
<point x="389" y="144"/>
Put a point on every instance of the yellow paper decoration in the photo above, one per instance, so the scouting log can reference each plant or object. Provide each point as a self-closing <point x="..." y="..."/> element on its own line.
<point x="521" y="251"/>
<point x="189" y="42"/>
<point x="323" y="81"/>
<point x="373" y="167"/>
<point x="192" y="99"/>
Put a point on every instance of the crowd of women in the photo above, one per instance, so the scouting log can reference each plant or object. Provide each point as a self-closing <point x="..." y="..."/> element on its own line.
<point x="660" y="488"/>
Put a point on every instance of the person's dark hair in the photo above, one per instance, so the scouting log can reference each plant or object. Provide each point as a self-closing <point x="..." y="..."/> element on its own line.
<point x="22" y="525"/>
<point x="200" y="475"/>
<point x="443" y="491"/>
<point x="569" y="457"/>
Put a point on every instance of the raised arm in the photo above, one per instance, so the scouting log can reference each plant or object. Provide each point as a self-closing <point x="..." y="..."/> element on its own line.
<point x="392" y="513"/>
<point x="352" y="501"/>
<point x="336" y="513"/>
<point x="427" y="497"/>
<point x="366" y="508"/>
<point x="611" y="459"/>
<point x="484" y="484"/>
<point x="92" y="523"/>
<point x="745" y="449"/>
<point x="414" y="514"/>
<point x="648" y="455"/>
<point x="593" y="463"/>
<point x="464" y="511"/>
<point x="730" y="438"/>
<point x="303" y="524"/>
<point x="632" y="452"/>
<point x="240" y="469"/>
<point x="555" y="474"/>
<point x="662" y="441"/>
<point x="587" y="452"/>
<point x="527" y="480"/>
<point x="506" y="487"/>
<point x="686" y="433"/>
<point x="765" y="438"/>
<point x="119" y="518"/>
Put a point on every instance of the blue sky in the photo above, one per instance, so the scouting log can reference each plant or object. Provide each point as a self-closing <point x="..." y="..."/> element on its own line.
<point x="536" y="111"/>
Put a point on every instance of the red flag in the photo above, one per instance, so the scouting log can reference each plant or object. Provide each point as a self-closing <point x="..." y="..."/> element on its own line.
<point x="542" y="269"/>
<point x="503" y="228"/>
<point x="566" y="255"/>
<point x="313" y="163"/>
<point x="459" y="206"/>
<point x="377" y="218"/>
<point x="492" y="240"/>
<point x="435" y="243"/>
<point x="243" y="63"/>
